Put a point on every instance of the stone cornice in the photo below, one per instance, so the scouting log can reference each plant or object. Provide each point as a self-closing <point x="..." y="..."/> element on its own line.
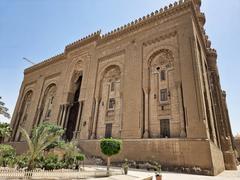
<point x="45" y="63"/>
<point x="160" y="38"/>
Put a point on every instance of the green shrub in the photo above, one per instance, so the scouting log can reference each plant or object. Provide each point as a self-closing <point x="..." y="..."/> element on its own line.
<point x="71" y="153"/>
<point x="110" y="147"/>
<point x="22" y="160"/>
<point x="80" y="157"/>
<point x="7" y="155"/>
<point x="49" y="162"/>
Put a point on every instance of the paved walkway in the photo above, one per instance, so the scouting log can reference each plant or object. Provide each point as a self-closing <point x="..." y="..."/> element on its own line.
<point x="136" y="174"/>
<point x="141" y="174"/>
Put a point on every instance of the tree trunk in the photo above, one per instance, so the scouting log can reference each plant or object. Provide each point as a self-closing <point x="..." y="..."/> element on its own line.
<point x="30" y="165"/>
<point x="108" y="165"/>
<point x="1" y="140"/>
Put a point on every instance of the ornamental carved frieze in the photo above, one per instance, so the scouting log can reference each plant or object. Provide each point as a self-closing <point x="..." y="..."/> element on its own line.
<point x="112" y="55"/>
<point x="113" y="73"/>
<point x="160" y="38"/>
<point x="79" y="64"/>
<point x="161" y="59"/>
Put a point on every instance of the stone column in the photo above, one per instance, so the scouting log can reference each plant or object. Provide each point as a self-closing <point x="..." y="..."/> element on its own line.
<point x="146" y="118"/>
<point x="59" y="114"/>
<point x="61" y="121"/>
<point x="16" y="125"/>
<point x="68" y="107"/>
<point x="181" y="112"/>
<point x="93" y="135"/>
<point x="78" y="124"/>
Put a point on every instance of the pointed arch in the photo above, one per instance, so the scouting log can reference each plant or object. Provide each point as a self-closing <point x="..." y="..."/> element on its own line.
<point x="23" y="114"/>
<point x="47" y="103"/>
<point x="109" y="116"/>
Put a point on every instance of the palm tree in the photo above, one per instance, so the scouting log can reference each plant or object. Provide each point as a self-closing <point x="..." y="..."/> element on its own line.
<point x="5" y="131"/>
<point x="42" y="137"/>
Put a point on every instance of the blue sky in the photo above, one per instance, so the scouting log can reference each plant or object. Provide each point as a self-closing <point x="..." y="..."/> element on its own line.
<point x="39" y="29"/>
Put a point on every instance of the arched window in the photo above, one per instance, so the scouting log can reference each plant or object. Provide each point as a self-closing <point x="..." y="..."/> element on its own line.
<point x="163" y="75"/>
<point x="162" y="78"/>
<point x="109" y="117"/>
<point x="161" y="66"/>
<point x="23" y="114"/>
<point x="26" y="107"/>
<point x="47" y="103"/>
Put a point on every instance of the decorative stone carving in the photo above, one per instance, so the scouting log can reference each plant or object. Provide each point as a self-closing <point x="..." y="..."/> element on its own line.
<point x="76" y="75"/>
<point x="110" y="108"/>
<point x="162" y="60"/>
<point x="47" y="102"/>
<point x="26" y="107"/>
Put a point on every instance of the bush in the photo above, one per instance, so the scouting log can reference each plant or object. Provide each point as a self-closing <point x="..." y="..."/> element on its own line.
<point x="72" y="155"/>
<point x="49" y="162"/>
<point x="80" y="157"/>
<point x="22" y="160"/>
<point x="7" y="155"/>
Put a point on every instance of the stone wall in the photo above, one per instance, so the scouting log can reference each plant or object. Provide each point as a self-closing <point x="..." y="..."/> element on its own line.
<point x="237" y="145"/>
<point x="20" y="147"/>
<point x="217" y="159"/>
<point x="168" y="152"/>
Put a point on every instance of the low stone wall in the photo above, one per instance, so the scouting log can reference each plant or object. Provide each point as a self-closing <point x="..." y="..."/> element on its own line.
<point x="20" y="147"/>
<point x="187" y="153"/>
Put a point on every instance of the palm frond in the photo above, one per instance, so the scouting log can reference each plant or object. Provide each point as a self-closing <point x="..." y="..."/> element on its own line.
<point x="27" y="138"/>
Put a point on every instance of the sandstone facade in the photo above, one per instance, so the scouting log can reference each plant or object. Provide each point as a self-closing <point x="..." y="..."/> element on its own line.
<point x="153" y="83"/>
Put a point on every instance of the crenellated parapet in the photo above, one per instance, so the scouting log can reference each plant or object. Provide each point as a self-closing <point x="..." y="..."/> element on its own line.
<point x="87" y="39"/>
<point x="171" y="9"/>
<point x="198" y="2"/>
<point x="162" y="13"/>
<point x="201" y="18"/>
<point x="207" y="42"/>
<point x="212" y="59"/>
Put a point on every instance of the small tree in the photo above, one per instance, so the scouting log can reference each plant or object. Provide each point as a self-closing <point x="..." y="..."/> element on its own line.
<point x="7" y="155"/>
<point x="110" y="147"/>
<point x="5" y="131"/>
<point x="42" y="136"/>
<point x="3" y="109"/>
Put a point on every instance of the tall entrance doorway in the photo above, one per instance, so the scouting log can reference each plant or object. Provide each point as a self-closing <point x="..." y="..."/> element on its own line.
<point x="73" y="114"/>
